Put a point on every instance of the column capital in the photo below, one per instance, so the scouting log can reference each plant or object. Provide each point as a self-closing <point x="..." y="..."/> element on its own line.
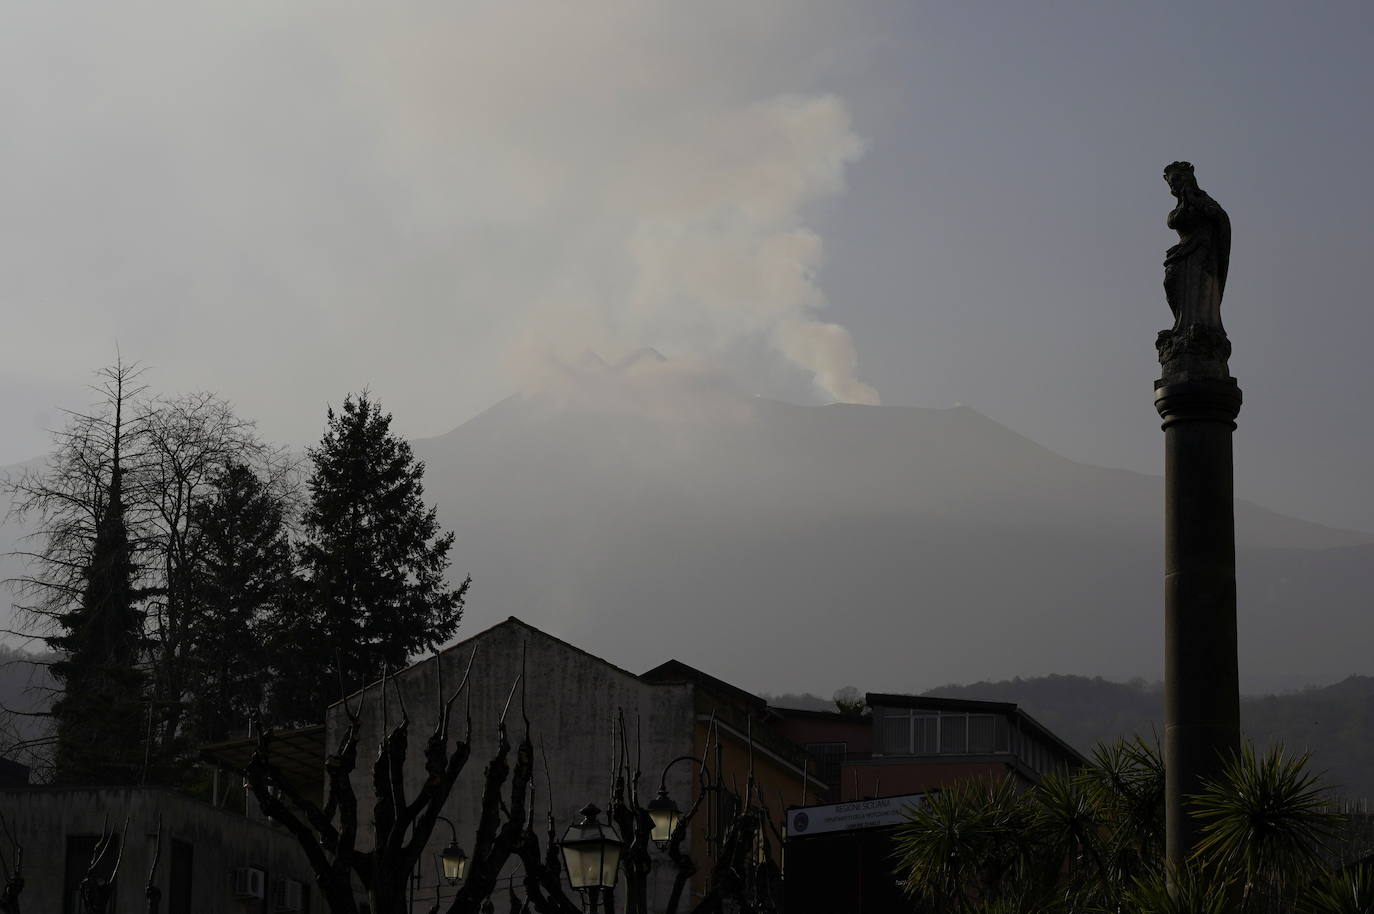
<point x="1201" y="400"/>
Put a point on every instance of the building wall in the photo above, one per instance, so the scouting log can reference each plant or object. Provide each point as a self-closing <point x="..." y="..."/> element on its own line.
<point x="42" y="819"/>
<point x="895" y="777"/>
<point x="831" y="739"/>
<point x="855" y="732"/>
<point x="571" y="698"/>
<point x="778" y="776"/>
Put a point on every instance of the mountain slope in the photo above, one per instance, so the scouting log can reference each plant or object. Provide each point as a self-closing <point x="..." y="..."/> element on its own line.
<point x="782" y="547"/>
<point x="787" y="547"/>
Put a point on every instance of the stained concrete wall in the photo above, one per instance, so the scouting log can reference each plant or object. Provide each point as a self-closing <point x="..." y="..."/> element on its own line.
<point x="42" y="818"/>
<point x="571" y="698"/>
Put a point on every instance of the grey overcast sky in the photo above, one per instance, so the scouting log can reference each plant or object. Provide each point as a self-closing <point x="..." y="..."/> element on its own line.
<point x="928" y="203"/>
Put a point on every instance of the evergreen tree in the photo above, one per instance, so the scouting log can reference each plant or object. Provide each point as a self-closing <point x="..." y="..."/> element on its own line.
<point x="242" y="582"/>
<point x="101" y="726"/>
<point x="112" y="583"/>
<point x="373" y="559"/>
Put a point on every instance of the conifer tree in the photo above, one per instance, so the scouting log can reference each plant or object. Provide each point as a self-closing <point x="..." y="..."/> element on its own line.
<point x="112" y="567"/>
<point x="242" y="582"/>
<point x="373" y="561"/>
<point x="100" y="716"/>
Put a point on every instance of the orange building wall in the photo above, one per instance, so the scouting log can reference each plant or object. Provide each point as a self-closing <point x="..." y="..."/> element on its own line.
<point x="780" y="785"/>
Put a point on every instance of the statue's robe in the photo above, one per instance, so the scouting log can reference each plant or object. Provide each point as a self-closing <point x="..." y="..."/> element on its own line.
<point x="1195" y="268"/>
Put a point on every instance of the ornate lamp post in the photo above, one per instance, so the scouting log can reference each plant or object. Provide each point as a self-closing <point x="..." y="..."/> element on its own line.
<point x="453" y="858"/>
<point x="1198" y="401"/>
<point x="665" y="813"/>
<point x="455" y="863"/>
<point x="591" y="853"/>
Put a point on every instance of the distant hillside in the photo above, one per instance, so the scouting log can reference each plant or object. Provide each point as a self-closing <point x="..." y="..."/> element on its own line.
<point x="770" y="544"/>
<point x="1335" y="723"/>
<point x="25" y="687"/>
<point x="653" y="515"/>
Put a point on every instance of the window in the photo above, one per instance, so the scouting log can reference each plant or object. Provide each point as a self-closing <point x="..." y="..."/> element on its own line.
<point x="987" y="733"/>
<point x="910" y="732"/>
<point x="953" y="734"/>
<point x="894" y="737"/>
<point x="925" y="734"/>
<point x="829" y="758"/>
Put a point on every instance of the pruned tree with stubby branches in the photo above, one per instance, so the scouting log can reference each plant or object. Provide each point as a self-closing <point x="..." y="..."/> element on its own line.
<point x="743" y="878"/>
<point x="381" y="851"/>
<point x="376" y="850"/>
<point x="13" y="874"/>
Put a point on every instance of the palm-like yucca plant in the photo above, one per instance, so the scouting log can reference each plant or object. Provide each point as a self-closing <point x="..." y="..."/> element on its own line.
<point x="1347" y="891"/>
<point x="1093" y="842"/>
<point x="971" y="846"/>
<point x="1179" y="893"/>
<point x="1126" y="782"/>
<point x="1266" y="821"/>
<point x="1073" y="832"/>
<point x="938" y="845"/>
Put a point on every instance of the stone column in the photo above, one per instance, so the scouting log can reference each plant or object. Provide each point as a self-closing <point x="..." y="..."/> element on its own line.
<point x="1201" y="677"/>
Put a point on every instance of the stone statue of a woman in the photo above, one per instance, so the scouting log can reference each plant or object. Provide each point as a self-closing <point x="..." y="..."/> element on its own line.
<point x="1195" y="271"/>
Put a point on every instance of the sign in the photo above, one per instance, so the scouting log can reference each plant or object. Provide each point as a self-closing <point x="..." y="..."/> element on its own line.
<point x="804" y="821"/>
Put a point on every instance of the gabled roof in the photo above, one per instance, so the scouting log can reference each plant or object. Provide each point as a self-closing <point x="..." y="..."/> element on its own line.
<point x="509" y="622"/>
<point x="675" y="671"/>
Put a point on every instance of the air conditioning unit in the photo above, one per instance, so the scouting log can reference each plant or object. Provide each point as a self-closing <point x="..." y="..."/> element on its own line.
<point x="286" y="895"/>
<point x="249" y="882"/>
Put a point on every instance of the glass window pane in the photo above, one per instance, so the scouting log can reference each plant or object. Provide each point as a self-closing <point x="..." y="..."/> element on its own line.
<point x="980" y="733"/>
<point x="953" y="733"/>
<point x="926" y="733"/>
<point x="894" y="738"/>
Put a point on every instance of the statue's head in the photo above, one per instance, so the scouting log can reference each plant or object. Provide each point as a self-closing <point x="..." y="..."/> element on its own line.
<point x="1180" y="176"/>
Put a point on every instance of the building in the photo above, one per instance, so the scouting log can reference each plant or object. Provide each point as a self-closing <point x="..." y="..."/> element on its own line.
<point x="573" y="701"/>
<point x="881" y="763"/>
<point x="909" y="744"/>
<point x="211" y="861"/>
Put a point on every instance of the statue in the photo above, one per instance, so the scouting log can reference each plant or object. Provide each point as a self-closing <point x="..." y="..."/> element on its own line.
<point x="1195" y="274"/>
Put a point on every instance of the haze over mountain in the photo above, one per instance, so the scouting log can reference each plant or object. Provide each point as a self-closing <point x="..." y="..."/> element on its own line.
<point x="647" y="509"/>
<point x="651" y="511"/>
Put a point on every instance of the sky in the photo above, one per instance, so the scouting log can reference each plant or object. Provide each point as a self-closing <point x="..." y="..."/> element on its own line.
<point x="872" y="201"/>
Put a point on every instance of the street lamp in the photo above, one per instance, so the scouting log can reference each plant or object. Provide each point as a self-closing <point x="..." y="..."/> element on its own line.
<point x="453" y="857"/>
<point x="455" y="862"/>
<point x="665" y="815"/>
<point x="591" y="853"/>
<point x="664" y="812"/>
